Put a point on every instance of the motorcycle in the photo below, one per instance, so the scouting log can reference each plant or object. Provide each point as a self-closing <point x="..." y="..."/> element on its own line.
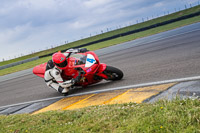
<point x="88" y="66"/>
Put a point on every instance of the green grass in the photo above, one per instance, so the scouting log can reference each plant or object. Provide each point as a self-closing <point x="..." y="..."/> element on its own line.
<point x="24" y="66"/>
<point x="181" y="116"/>
<point x="107" y="34"/>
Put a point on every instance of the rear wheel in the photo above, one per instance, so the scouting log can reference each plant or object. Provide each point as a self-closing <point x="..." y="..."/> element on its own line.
<point x="113" y="73"/>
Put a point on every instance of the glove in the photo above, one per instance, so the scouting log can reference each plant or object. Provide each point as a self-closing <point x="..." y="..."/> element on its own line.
<point x="83" y="50"/>
<point x="73" y="81"/>
<point x="66" y="84"/>
<point x="76" y="80"/>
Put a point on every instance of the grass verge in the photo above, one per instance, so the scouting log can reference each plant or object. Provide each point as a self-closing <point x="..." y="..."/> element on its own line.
<point x="24" y="66"/>
<point x="107" y="34"/>
<point x="161" y="117"/>
<point x="107" y="43"/>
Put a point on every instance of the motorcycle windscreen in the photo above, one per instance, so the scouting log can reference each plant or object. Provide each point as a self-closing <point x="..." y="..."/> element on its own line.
<point x="79" y="59"/>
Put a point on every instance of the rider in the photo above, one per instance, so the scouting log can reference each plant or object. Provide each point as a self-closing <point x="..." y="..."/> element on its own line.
<point x="54" y="69"/>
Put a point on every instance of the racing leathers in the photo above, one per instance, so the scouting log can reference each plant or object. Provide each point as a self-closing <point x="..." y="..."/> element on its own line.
<point x="53" y="77"/>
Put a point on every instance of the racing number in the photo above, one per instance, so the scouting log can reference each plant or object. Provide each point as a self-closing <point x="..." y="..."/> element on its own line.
<point x="90" y="60"/>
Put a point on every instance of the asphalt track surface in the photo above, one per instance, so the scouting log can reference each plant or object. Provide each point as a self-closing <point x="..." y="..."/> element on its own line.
<point x="159" y="57"/>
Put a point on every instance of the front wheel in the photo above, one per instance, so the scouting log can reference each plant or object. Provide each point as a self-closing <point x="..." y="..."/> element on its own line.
<point x="113" y="73"/>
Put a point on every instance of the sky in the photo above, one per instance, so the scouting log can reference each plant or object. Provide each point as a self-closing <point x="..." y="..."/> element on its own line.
<point x="28" y="26"/>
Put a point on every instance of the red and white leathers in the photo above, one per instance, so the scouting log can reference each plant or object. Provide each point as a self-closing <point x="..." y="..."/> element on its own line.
<point x="53" y="77"/>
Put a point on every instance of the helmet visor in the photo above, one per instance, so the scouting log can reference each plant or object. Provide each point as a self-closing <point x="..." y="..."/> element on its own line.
<point x="62" y="64"/>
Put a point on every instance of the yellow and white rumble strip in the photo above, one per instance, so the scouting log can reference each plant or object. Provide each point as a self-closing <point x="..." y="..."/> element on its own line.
<point x="137" y="95"/>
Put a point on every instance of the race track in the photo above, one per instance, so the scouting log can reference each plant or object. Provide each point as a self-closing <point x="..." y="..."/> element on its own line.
<point x="170" y="55"/>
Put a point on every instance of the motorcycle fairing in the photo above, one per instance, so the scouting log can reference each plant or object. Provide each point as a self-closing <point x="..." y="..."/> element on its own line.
<point x="39" y="70"/>
<point x="101" y="68"/>
<point x="89" y="62"/>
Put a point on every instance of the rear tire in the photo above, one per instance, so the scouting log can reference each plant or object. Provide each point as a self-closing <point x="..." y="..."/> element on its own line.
<point x="113" y="73"/>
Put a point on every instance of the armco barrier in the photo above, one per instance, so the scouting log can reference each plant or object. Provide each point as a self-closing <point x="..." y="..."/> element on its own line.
<point x="112" y="37"/>
<point x="18" y="63"/>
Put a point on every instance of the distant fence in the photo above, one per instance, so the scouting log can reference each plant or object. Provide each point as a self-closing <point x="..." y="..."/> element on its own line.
<point x="111" y="37"/>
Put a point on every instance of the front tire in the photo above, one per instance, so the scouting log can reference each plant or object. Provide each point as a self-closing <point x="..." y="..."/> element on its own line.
<point x="113" y="73"/>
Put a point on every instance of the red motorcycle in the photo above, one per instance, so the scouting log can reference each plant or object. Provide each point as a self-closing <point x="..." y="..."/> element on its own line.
<point x="88" y="66"/>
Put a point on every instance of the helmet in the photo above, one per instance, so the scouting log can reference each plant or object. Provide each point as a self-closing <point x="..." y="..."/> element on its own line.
<point x="59" y="60"/>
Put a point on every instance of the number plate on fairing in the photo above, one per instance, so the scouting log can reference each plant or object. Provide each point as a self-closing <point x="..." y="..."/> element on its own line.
<point x="90" y="60"/>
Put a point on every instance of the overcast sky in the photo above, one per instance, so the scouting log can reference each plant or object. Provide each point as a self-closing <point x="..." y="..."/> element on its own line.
<point x="33" y="25"/>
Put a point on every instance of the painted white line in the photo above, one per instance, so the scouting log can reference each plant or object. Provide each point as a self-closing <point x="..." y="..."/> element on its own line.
<point x="31" y="102"/>
<point x="110" y="89"/>
<point x="143" y="85"/>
